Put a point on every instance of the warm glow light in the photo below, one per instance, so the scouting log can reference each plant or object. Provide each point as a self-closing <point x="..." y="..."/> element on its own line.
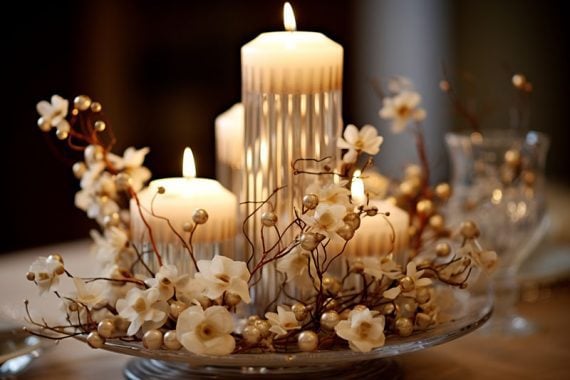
<point x="188" y="164"/>
<point x="357" y="189"/>
<point x="289" y="18"/>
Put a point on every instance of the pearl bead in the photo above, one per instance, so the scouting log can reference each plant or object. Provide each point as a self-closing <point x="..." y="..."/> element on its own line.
<point x="152" y="339"/>
<point x="269" y="218"/>
<point x="469" y="229"/>
<point x="31" y="276"/>
<point x="112" y="220"/>
<point x="412" y="171"/>
<point x="187" y="226"/>
<point x="308" y="341"/>
<point x="121" y="325"/>
<point x="309" y="241"/>
<point x="310" y="201"/>
<point x="423" y="295"/>
<point x="404" y="326"/>
<point x="200" y="216"/>
<point x="252" y="318"/>
<point x="406" y="284"/>
<point x="176" y="308"/>
<point x="96" y="107"/>
<point x="56" y="257"/>
<point x="388" y="309"/>
<point x="330" y="304"/>
<point x="513" y="157"/>
<point x="352" y="219"/>
<point x="442" y="249"/>
<point x="443" y="191"/>
<point x="100" y="125"/>
<point x="425" y="207"/>
<point x="436" y="222"/>
<point x="95" y="340"/>
<point x="251" y="334"/>
<point x="44" y="124"/>
<point x="231" y="299"/>
<point x="330" y="319"/>
<point x="346" y="232"/>
<point x="170" y="340"/>
<point x="61" y="134"/>
<point x="106" y="328"/>
<point x="519" y="80"/>
<point x="161" y="190"/>
<point x="82" y="102"/>
<point x="79" y="168"/>
<point x="93" y="153"/>
<point x="300" y="311"/>
<point x="359" y="308"/>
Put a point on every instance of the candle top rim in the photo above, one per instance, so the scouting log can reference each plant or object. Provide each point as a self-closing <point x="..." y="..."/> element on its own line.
<point x="189" y="186"/>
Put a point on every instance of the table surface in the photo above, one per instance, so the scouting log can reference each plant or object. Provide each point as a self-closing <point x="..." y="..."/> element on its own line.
<point x="545" y="354"/>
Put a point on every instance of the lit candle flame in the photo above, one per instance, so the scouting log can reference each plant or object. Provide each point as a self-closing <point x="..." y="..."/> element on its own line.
<point x="289" y="18"/>
<point x="357" y="189"/>
<point x="188" y="164"/>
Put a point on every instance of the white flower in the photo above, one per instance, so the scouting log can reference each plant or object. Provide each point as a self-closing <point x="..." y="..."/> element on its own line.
<point x="96" y="207"/>
<point x="113" y="248"/>
<point x="53" y="114"/>
<point x="331" y="194"/>
<point x="143" y="308"/>
<point x="190" y="290"/>
<point x="326" y="219"/>
<point x="417" y="281"/>
<point x="165" y="281"/>
<point x="296" y="265"/>
<point x="89" y="294"/>
<point x="46" y="272"/>
<point x="282" y="321"/>
<point x="363" y="329"/>
<point x="366" y="140"/>
<point x="380" y="267"/>
<point x="401" y="109"/>
<point x="485" y="259"/>
<point x="131" y="163"/>
<point x="206" y="332"/>
<point x="222" y="274"/>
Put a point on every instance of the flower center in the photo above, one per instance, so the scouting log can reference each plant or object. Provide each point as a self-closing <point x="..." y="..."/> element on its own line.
<point x="139" y="306"/>
<point x="359" y="144"/>
<point x="326" y="219"/>
<point x="223" y="277"/>
<point x="364" y="329"/>
<point x="204" y="331"/>
<point x="403" y="111"/>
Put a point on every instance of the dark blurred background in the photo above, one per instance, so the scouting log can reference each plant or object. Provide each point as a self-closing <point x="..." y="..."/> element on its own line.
<point x="163" y="70"/>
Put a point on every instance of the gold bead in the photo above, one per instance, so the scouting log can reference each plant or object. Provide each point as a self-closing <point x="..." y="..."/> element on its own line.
<point x="409" y="188"/>
<point x="251" y="334"/>
<point x="170" y="340"/>
<point x="231" y="299"/>
<point x="61" y="134"/>
<point x="96" y="107"/>
<point x="423" y="320"/>
<point x="330" y="304"/>
<point x="31" y="276"/>
<point x="300" y="311"/>
<point x="309" y="241"/>
<point x="82" y="102"/>
<point x="423" y="295"/>
<point x="95" y="340"/>
<point x="93" y="153"/>
<point x="425" y="207"/>
<point x="106" y="328"/>
<point x="187" y="226"/>
<point x="176" y="308"/>
<point x="404" y="326"/>
<point x="406" y="284"/>
<point x="112" y="220"/>
<point x="352" y="219"/>
<point x="44" y="124"/>
<point x="263" y="326"/>
<point x="79" y="168"/>
<point x="100" y="125"/>
<point x="330" y="283"/>
<point x="359" y="308"/>
<point x="436" y="222"/>
<point x="388" y="308"/>
<point x="413" y="171"/>
<point x="161" y="190"/>
<point x="200" y="216"/>
<point x="329" y="319"/>
<point x="252" y="318"/>
<point x="346" y="232"/>
<point x="444" y="86"/>
<point x="513" y="157"/>
<point x="121" y="325"/>
<point x="372" y="211"/>
<point x="443" y="191"/>
<point x="269" y="219"/>
<point x="310" y="201"/>
<point x="469" y="229"/>
<point x="519" y="81"/>
<point x="308" y="341"/>
<point x="152" y="339"/>
<point x="56" y="257"/>
<point x="442" y="249"/>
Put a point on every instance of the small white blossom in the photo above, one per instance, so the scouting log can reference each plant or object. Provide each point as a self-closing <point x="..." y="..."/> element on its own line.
<point x="206" y="332"/>
<point x="332" y="194"/>
<point x="282" y="321"/>
<point x="132" y="164"/>
<point x="222" y="274"/>
<point x="113" y="248"/>
<point x="366" y="140"/>
<point x="165" y="281"/>
<point x="53" y="114"/>
<point x="89" y="294"/>
<point x="363" y="329"/>
<point x="46" y="271"/>
<point x="379" y="267"/>
<point x="296" y="265"/>
<point x="143" y="308"/>
<point x="401" y="109"/>
<point x="417" y="280"/>
<point x="190" y="290"/>
<point x="326" y="219"/>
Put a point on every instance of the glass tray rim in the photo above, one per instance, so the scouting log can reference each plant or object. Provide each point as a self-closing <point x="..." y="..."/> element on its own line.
<point x="479" y="310"/>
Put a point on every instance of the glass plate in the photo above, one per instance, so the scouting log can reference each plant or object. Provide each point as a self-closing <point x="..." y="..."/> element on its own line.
<point x="163" y="364"/>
